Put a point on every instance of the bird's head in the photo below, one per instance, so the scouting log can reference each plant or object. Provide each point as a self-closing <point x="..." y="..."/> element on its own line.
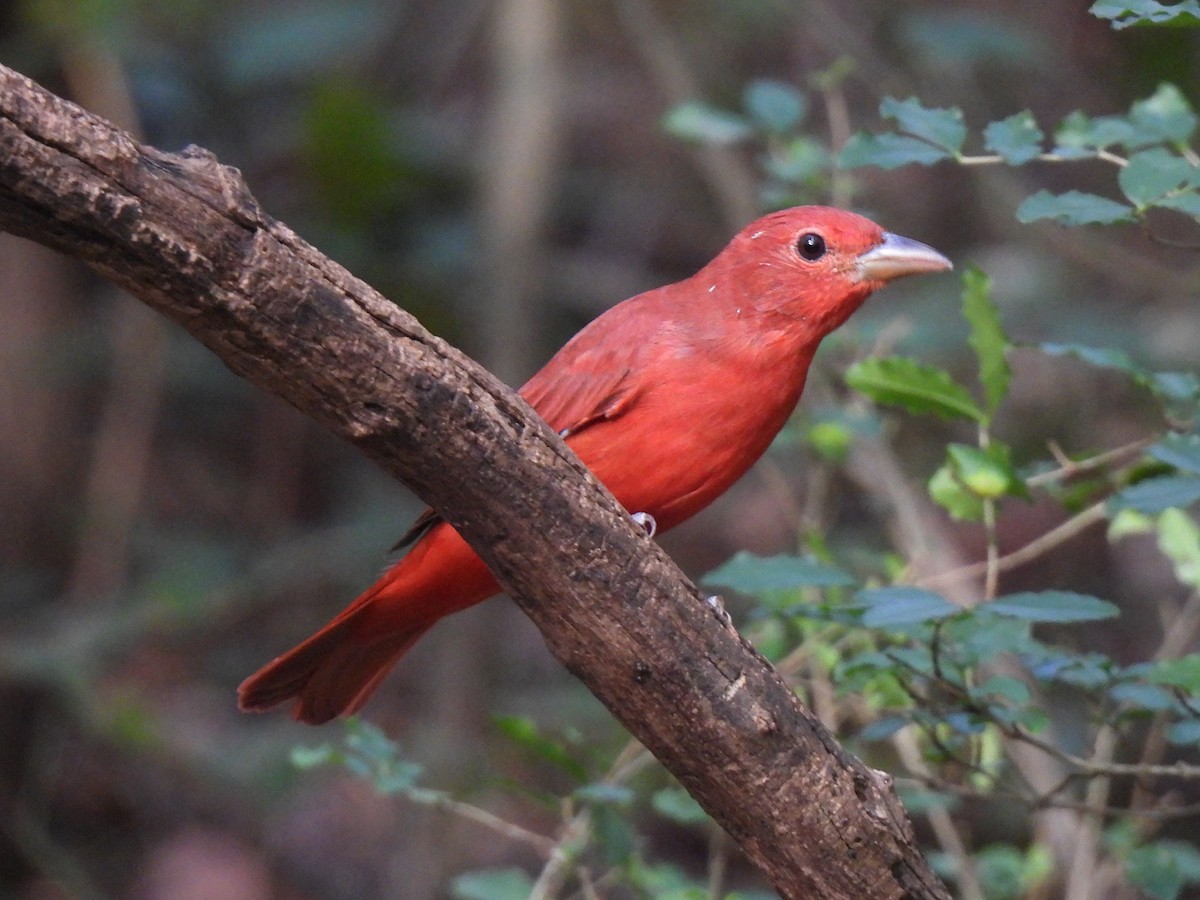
<point x="817" y="265"/>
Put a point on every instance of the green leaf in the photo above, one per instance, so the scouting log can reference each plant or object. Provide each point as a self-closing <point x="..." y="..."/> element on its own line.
<point x="774" y="106"/>
<point x="1006" y="687"/>
<point x="882" y="729"/>
<point x="987" y="337"/>
<point x="952" y="495"/>
<point x="1124" y="13"/>
<point x="311" y="757"/>
<point x="1174" y="389"/>
<point x="987" y="473"/>
<point x="1163" y="116"/>
<point x="888" y="151"/>
<point x="492" y="884"/>
<point x="1164" y="868"/>
<point x="1073" y="208"/>
<point x="703" y="124"/>
<point x="1154" y="173"/>
<point x="1179" y="450"/>
<point x="1154" y="495"/>
<point x="898" y="381"/>
<point x="1185" y="732"/>
<point x="1142" y="697"/>
<point x="1079" y="135"/>
<point x="677" y="805"/>
<point x="1182" y="673"/>
<point x="1017" y="139"/>
<point x="902" y="605"/>
<point x="1179" y="540"/>
<point x="1186" y="202"/>
<point x="1053" y="606"/>
<point x="523" y="732"/>
<point x="1105" y="357"/>
<point x="942" y="127"/>
<point x="750" y="574"/>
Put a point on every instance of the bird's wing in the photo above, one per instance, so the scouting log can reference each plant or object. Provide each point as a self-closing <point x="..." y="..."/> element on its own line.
<point x="590" y="380"/>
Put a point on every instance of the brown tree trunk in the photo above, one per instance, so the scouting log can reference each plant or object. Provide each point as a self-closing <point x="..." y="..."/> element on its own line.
<point x="183" y="234"/>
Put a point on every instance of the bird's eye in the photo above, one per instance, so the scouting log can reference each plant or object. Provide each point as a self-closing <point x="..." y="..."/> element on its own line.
<point x="810" y="246"/>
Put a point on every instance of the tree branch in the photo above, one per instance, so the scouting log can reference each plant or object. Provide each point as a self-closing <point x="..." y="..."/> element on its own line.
<point x="183" y="234"/>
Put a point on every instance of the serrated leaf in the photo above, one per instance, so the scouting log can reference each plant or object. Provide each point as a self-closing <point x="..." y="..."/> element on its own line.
<point x="902" y="605"/>
<point x="1073" y="208"/>
<point x="1105" y="357"/>
<point x="775" y="106"/>
<point x="1126" y="13"/>
<point x="1165" y="115"/>
<point x="1017" y="139"/>
<point x="1179" y="450"/>
<point x="1154" y="173"/>
<point x="987" y="337"/>
<point x="703" y="124"/>
<point x="750" y="574"/>
<point x="888" y="151"/>
<point x="492" y="884"/>
<point x="1053" y="606"/>
<point x="1154" y="495"/>
<point x="942" y="127"/>
<point x="677" y="805"/>
<point x="903" y="382"/>
<point x="1081" y="135"/>
<point x="1179" y="390"/>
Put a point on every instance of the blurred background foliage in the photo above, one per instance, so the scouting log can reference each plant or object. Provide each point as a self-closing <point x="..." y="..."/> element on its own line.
<point x="502" y="170"/>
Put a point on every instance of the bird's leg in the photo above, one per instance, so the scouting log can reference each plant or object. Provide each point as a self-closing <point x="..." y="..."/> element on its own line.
<point x="647" y="522"/>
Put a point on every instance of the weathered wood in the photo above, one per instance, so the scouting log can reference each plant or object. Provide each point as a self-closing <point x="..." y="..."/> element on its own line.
<point x="183" y="234"/>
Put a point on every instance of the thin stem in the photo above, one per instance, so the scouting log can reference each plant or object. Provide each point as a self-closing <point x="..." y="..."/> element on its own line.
<point x="992" y="159"/>
<point x="1069" y="468"/>
<point x="543" y="845"/>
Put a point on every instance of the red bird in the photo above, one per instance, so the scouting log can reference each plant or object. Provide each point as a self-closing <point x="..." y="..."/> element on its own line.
<point x="668" y="398"/>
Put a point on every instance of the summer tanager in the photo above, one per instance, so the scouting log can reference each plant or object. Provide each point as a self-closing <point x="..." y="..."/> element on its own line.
<point x="668" y="398"/>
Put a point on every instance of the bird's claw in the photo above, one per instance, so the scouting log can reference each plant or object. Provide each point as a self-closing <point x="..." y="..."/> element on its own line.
<point x="647" y="522"/>
<point x="716" y="603"/>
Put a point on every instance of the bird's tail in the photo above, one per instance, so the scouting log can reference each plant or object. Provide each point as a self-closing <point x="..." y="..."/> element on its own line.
<point x="330" y="674"/>
<point x="336" y="670"/>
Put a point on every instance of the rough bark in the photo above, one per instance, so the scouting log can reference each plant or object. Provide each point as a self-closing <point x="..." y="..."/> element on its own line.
<point x="183" y="234"/>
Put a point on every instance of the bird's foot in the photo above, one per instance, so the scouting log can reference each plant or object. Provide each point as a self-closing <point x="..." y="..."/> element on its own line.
<point x="716" y="604"/>
<point x="647" y="522"/>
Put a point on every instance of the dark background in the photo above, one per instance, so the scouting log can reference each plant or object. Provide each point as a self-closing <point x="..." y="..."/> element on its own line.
<point x="500" y="170"/>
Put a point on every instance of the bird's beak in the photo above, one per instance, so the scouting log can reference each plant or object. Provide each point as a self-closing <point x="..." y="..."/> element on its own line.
<point x="898" y="256"/>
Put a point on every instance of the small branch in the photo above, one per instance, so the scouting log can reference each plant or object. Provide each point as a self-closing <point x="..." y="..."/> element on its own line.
<point x="1069" y="468"/>
<point x="435" y="800"/>
<point x="1060" y="534"/>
